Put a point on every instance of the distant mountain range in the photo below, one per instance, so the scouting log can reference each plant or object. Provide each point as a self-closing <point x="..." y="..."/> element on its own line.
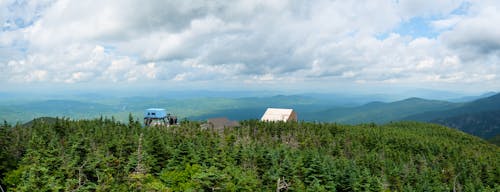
<point x="480" y="117"/>
<point x="472" y="98"/>
<point x="379" y="112"/>
<point x="22" y="112"/>
<point x="491" y="103"/>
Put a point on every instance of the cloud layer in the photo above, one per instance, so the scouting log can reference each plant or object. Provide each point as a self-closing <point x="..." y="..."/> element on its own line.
<point x="318" y="43"/>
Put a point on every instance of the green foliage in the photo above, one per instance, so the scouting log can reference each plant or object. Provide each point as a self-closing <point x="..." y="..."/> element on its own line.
<point x="106" y="155"/>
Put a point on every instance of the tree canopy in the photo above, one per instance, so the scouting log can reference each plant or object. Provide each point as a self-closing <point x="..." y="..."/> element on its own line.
<point x="105" y="155"/>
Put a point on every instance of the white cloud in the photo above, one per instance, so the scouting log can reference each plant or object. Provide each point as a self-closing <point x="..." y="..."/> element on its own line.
<point x="425" y="64"/>
<point x="447" y="23"/>
<point x="128" y="70"/>
<point x="478" y="32"/>
<point x="248" y="41"/>
<point x="36" y="75"/>
<point x="426" y="8"/>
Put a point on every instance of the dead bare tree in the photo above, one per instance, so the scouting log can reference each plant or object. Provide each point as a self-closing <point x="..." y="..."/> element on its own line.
<point x="281" y="184"/>
<point x="139" y="168"/>
<point x="454" y="183"/>
<point x="80" y="174"/>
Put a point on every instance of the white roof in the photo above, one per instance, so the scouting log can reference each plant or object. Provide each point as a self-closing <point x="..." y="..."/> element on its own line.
<point x="155" y="109"/>
<point x="276" y="114"/>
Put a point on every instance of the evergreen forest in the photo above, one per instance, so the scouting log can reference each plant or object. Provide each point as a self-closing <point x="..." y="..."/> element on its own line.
<point x="104" y="154"/>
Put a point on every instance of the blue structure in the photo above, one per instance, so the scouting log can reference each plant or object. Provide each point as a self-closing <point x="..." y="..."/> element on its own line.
<point x="155" y="113"/>
<point x="155" y="116"/>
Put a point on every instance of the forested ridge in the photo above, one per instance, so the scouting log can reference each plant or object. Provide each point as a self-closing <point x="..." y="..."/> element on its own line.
<point x="106" y="155"/>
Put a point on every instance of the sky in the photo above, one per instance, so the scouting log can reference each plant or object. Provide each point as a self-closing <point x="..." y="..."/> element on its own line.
<point x="296" y="45"/>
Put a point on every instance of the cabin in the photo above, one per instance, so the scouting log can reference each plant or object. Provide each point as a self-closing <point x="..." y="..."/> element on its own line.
<point x="278" y="114"/>
<point x="221" y="123"/>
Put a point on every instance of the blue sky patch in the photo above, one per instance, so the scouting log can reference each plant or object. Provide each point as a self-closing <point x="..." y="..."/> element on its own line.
<point x="417" y="27"/>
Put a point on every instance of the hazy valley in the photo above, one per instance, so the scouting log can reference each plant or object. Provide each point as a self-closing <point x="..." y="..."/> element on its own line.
<point x="474" y="114"/>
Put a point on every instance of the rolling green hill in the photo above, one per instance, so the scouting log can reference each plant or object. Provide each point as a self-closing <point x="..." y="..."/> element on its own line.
<point x="379" y="112"/>
<point x="495" y="140"/>
<point x="491" y="103"/>
<point x="480" y="117"/>
<point x="104" y="155"/>
<point x="46" y="120"/>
